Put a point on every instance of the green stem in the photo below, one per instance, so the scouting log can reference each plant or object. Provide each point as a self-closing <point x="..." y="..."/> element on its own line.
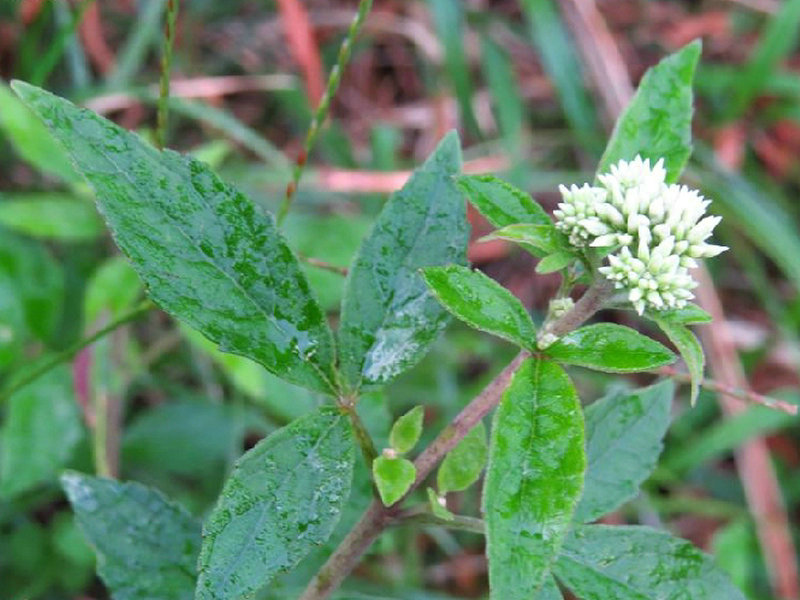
<point x="166" y="68"/>
<point x="69" y="353"/>
<point x="424" y="517"/>
<point x="321" y="112"/>
<point x="363" y="437"/>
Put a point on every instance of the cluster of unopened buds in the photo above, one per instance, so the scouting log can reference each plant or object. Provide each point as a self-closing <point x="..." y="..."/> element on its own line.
<point x="654" y="231"/>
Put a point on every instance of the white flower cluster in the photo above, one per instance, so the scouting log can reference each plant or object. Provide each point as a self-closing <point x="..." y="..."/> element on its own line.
<point x="656" y="230"/>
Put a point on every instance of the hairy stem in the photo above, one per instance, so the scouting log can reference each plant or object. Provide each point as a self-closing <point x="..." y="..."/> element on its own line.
<point x="378" y="517"/>
<point x="166" y="68"/>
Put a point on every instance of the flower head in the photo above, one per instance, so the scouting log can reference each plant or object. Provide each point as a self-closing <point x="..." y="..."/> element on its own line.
<point x="655" y="231"/>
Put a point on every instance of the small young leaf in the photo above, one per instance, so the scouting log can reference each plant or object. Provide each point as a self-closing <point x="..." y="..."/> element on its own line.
<point x="554" y="262"/>
<point x="611" y="348"/>
<point x="691" y="351"/>
<point x="40" y="432"/>
<point x="599" y="562"/>
<point x="542" y="237"/>
<point x="482" y="303"/>
<point x="623" y="443"/>
<point x="282" y="499"/>
<point x="406" y="430"/>
<point x="534" y="478"/>
<point x="500" y="202"/>
<point x="658" y="121"/>
<point x="463" y="464"/>
<point x="146" y="545"/>
<point x="206" y="253"/>
<point x="437" y="506"/>
<point x="393" y="477"/>
<point x="389" y="317"/>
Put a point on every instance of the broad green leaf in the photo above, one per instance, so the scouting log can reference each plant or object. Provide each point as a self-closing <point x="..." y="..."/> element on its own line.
<point x="39" y="282"/>
<point x="482" y="303"/>
<point x="40" y="432"/>
<point x="406" y="430"/>
<point x="691" y="314"/>
<point x="111" y="291"/>
<point x="612" y="348"/>
<point x="500" y="202"/>
<point x="534" y="478"/>
<point x="463" y="464"/>
<point x="389" y="317"/>
<point x="51" y="215"/>
<point x="690" y="349"/>
<point x="542" y="237"/>
<point x="554" y="262"/>
<point x="146" y="545"/>
<point x="623" y="443"/>
<point x="658" y="121"/>
<point x="599" y="562"/>
<point x="31" y="139"/>
<point x="549" y="591"/>
<point x="393" y="477"/>
<point x="206" y="253"/>
<point x="282" y="499"/>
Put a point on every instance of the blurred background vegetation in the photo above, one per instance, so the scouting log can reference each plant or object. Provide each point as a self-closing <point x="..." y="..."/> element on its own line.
<point x="534" y="87"/>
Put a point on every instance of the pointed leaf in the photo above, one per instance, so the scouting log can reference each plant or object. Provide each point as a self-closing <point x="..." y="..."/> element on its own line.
<point x="691" y="314"/>
<point x="389" y="317"/>
<point x="206" y="253"/>
<point x="282" y="499"/>
<point x="500" y="202"/>
<point x="554" y="262"/>
<point x="658" y="121"/>
<point x="690" y="349"/>
<point x="542" y="237"/>
<point x="599" y="562"/>
<point x="393" y="477"/>
<point x="146" y="545"/>
<point x="482" y="303"/>
<point x="406" y="430"/>
<point x="624" y="433"/>
<point x="40" y="432"/>
<point x="463" y="464"/>
<point x="534" y="478"/>
<point x="612" y="348"/>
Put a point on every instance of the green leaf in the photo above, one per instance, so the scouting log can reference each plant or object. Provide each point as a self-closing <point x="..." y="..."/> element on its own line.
<point x="463" y="464"/>
<point x="624" y="433"/>
<point x="206" y="253"/>
<point x="507" y="103"/>
<point x="534" y="478"/>
<point x="393" y="477"/>
<point x="282" y="499"/>
<point x="549" y="591"/>
<point x="31" y="139"/>
<point x="554" y="262"/>
<point x="690" y="349"/>
<point x="389" y="317"/>
<point x="542" y="237"/>
<point x="482" y="303"/>
<point x="13" y="329"/>
<point x="611" y="348"/>
<point x="112" y="290"/>
<point x="406" y="430"/>
<point x="146" y="545"/>
<point x="51" y="215"/>
<point x="658" y="121"/>
<point x="691" y="314"/>
<point x="437" y="506"/>
<point x="599" y="562"/>
<point x="41" y="430"/>
<point x="500" y="202"/>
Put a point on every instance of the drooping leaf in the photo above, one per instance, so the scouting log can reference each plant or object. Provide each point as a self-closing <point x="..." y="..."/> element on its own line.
<point x="534" y="478"/>
<point x="624" y="433"/>
<point x="282" y="499"/>
<point x="393" y="477"/>
<point x="690" y="349"/>
<point x="206" y="253"/>
<point x="612" y="348"/>
<point x="51" y="215"/>
<point x="500" y="202"/>
<point x="146" y="545"/>
<point x="40" y="432"/>
<point x="389" y="317"/>
<point x="599" y="562"/>
<point x="658" y="121"/>
<point x="482" y="303"/>
<point x="406" y="430"/>
<point x="463" y="464"/>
